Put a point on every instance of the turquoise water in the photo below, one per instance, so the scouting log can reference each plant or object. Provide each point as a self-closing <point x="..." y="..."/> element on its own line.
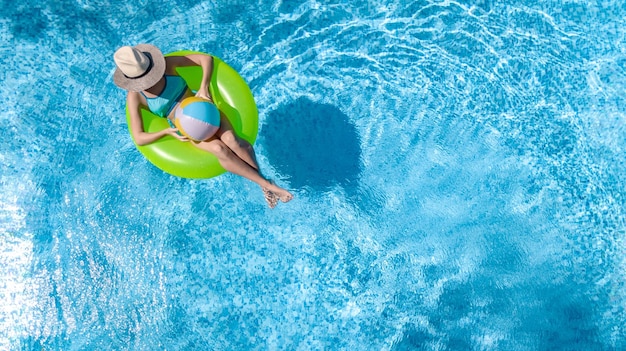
<point x="458" y="171"/>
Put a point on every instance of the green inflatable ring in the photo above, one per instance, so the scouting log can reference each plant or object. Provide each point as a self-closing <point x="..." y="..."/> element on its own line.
<point x="231" y="95"/>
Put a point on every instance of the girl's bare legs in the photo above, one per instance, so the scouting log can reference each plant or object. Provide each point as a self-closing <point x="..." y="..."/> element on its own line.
<point x="241" y="147"/>
<point x="245" y="152"/>
<point x="234" y="164"/>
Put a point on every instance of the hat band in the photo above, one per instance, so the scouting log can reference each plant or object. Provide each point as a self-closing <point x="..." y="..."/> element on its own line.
<point x="147" y="68"/>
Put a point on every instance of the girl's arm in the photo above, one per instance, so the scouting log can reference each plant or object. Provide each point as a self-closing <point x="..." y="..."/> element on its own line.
<point x="140" y="136"/>
<point x="204" y="61"/>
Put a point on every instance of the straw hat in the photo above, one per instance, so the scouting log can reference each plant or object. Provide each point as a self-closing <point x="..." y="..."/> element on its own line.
<point x="139" y="67"/>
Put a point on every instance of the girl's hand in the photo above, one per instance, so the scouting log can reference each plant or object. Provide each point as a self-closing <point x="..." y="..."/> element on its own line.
<point x="174" y="132"/>
<point x="203" y="93"/>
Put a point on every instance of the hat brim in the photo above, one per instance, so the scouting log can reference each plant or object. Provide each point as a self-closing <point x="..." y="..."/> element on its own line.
<point x="147" y="80"/>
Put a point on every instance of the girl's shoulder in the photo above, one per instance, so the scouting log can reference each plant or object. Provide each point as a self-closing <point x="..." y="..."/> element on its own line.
<point x="135" y="98"/>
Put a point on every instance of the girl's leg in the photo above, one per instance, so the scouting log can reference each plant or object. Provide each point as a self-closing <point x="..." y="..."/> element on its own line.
<point x="232" y="163"/>
<point x="241" y="147"/>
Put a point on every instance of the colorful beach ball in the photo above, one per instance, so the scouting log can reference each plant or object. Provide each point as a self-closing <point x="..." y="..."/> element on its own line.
<point x="197" y="118"/>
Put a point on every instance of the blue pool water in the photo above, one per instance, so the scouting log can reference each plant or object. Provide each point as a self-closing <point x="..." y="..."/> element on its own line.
<point x="458" y="170"/>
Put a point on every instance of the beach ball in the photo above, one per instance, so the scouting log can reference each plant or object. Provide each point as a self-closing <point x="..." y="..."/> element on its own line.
<point x="197" y="118"/>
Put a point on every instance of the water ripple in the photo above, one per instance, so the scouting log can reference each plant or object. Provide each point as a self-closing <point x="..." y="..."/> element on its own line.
<point x="473" y="197"/>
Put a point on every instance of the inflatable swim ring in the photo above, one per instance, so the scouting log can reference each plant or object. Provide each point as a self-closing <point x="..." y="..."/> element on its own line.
<point x="232" y="96"/>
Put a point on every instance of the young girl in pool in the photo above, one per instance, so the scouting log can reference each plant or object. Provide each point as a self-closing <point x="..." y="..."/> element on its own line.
<point x="151" y="81"/>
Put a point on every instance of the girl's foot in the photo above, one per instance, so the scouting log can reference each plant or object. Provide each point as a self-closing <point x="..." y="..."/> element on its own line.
<point x="270" y="198"/>
<point x="282" y="194"/>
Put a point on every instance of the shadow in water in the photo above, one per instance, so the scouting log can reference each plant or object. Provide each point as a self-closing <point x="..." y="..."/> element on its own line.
<point x="313" y="144"/>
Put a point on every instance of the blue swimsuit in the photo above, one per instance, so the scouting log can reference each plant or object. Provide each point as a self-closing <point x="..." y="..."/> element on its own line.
<point x="162" y="105"/>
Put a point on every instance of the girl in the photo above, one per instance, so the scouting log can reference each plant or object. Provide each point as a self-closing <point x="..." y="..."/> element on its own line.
<point x="151" y="81"/>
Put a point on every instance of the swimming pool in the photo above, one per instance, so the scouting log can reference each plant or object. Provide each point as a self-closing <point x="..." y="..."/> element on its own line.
<point x="458" y="170"/>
